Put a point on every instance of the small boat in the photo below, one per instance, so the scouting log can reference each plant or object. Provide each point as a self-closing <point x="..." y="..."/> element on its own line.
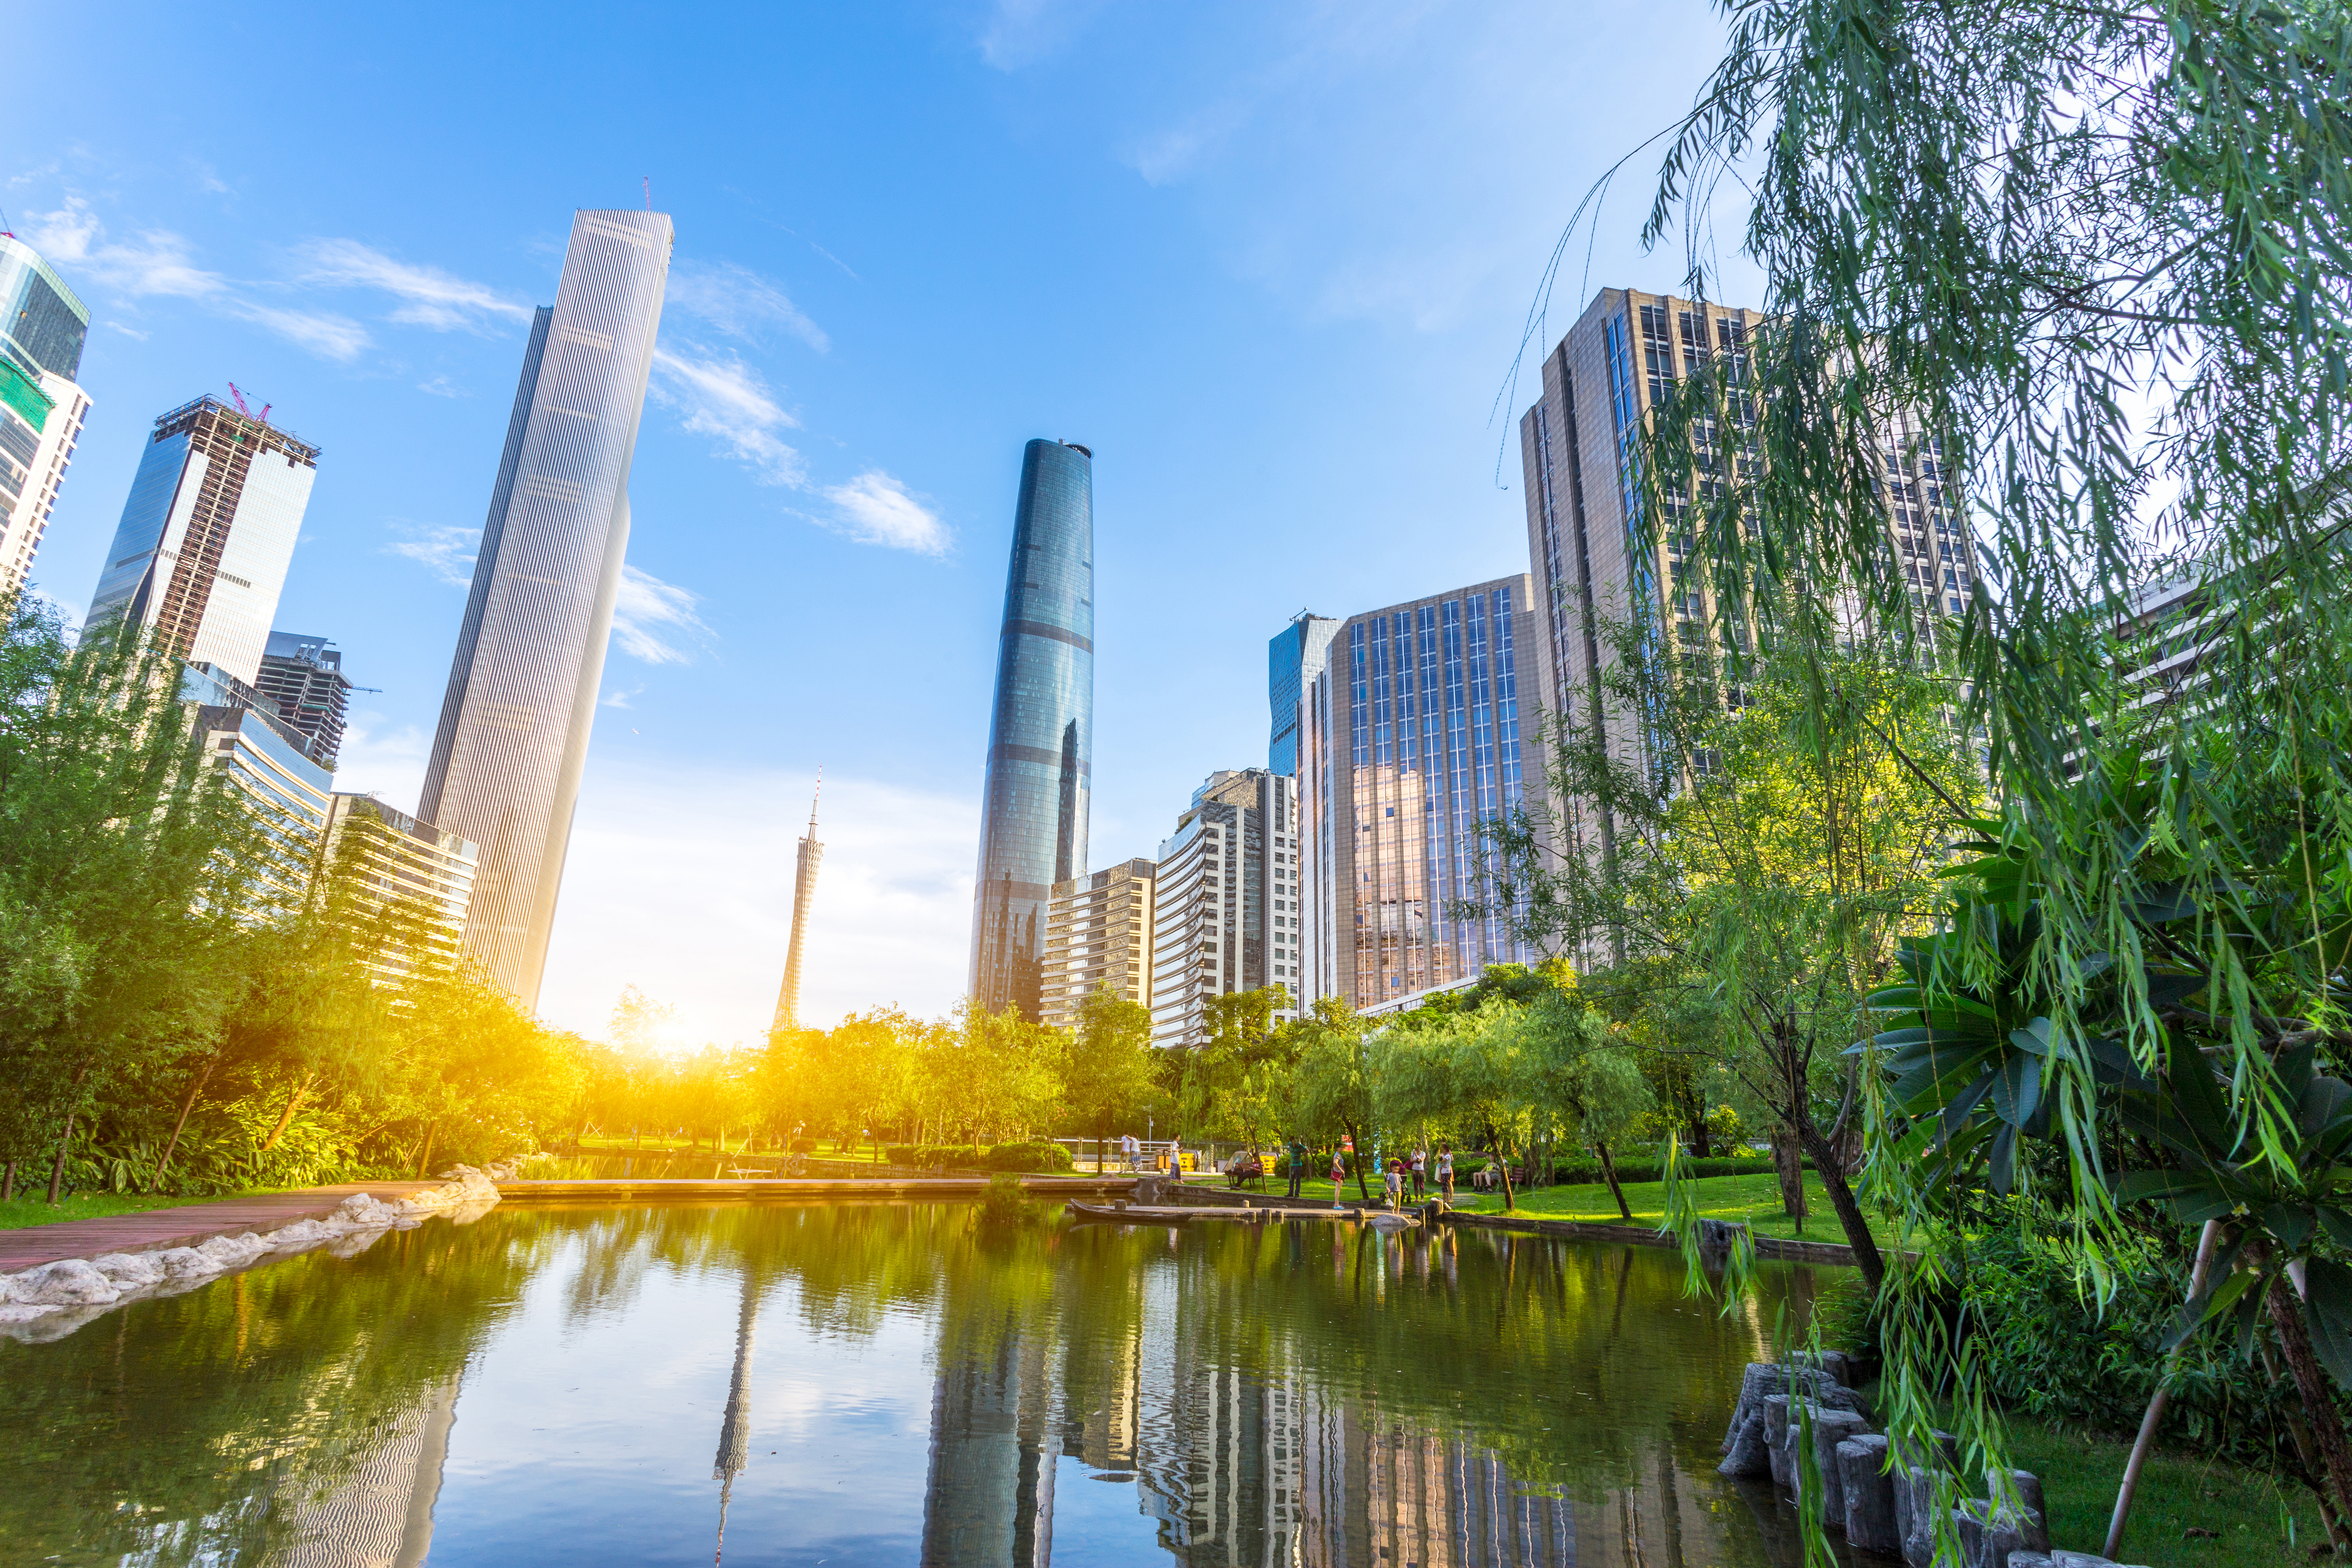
<point x="1135" y="1213"/>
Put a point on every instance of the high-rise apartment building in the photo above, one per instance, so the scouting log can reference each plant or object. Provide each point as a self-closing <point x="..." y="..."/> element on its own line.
<point x="513" y="737"/>
<point x="1033" y="814"/>
<point x="205" y="538"/>
<point x="1413" y="737"/>
<point x="1098" y="933"/>
<point x="1595" y="563"/>
<point x="239" y="730"/>
<point x="1294" y="658"/>
<point x="399" y="857"/>
<point x="1225" y="901"/>
<point x="811" y="854"/>
<point x="42" y="329"/>
<point x="303" y="675"/>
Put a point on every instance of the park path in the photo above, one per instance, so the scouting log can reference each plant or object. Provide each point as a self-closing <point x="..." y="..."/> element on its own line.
<point x="183" y="1226"/>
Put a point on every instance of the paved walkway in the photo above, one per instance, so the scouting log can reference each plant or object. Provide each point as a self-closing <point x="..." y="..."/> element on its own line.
<point x="156" y="1228"/>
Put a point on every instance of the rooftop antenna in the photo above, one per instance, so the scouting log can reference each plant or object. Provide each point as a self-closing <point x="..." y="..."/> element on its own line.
<point x="649" y="193"/>
<point x="814" y="797"/>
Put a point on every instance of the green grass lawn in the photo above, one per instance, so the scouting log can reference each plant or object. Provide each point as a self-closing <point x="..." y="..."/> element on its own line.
<point x="2176" y="1493"/>
<point x="1755" y="1199"/>
<point x="35" y="1210"/>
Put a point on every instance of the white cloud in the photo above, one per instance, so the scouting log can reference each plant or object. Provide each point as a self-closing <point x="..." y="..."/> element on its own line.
<point x="380" y="760"/>
<point x="875" y="508"/>
<point x="127" y="331"/>
<point x="1023" y="32"/>
<point x="442" y="386"/>
<point x="679" y="881"/>
<point x="155" y="263"/>
<point x="738" y="302"/>
<point x="721" y="397"/>
<point x="430" y="296"/>
<point x="446" y="552"/>
<point x="649" y="616"/>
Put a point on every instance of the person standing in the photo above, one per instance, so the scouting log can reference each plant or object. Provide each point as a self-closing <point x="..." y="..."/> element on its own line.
<point x="1338" y="1174"/>
<point x="1445" y="1169"/>
<point x="1298" y="1164"/>
<point x="1419" y="1172"/>
<point x="1395" y="1181"/>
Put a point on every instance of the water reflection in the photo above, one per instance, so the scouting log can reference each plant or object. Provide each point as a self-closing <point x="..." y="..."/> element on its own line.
<point x="540" y="1386"/>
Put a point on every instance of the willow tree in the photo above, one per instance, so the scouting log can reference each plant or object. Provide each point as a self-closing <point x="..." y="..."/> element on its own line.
<point x="2083" y="266"/>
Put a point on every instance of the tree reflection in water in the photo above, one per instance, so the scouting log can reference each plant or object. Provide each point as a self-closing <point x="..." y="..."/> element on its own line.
<point x="1305" y="1394"/>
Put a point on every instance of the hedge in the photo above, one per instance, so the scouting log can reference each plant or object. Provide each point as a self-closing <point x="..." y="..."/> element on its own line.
<point x="1028" y="1157"/>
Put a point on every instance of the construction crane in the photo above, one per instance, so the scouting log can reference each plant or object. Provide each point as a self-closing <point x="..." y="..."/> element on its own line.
<point x="260" y="418"/>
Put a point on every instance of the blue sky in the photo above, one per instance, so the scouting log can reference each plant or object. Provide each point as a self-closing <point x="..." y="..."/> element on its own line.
<point x="1271" y="262"/>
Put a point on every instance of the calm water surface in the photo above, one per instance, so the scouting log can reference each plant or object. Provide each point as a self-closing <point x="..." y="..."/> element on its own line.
<point x="879" y="1383"/>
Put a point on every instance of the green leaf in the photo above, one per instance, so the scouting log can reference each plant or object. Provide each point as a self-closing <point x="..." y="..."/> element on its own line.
<point x="2291" y="1222"/>
<point x="2034" y="1038"/>
<point x="2214" y="1303"/>
<point x="2017" y="1088"/>
<point x="2328" y="1312"/>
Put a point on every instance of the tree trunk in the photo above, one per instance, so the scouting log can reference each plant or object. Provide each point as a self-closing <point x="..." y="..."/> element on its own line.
<point x="8" y="1185"/>
<point x="293" y="1103"/>
<point x="1609" y="1175"/>
<point x="1697" y="1114"/>
<point x="1502" y="1166"/>
<point x="1356" y="1158"/>
<point x="58" y="1170"/>
<point x="1857" y="1229"/>
<point x="2318" y="1403"/>
<point x="424" y="1156"/>
<point x="1789" y="1166"/>
<point x="172" y="1142"/>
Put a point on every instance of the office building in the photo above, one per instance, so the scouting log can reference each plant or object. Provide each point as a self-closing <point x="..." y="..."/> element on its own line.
<point x="1411" y="742"/>
<point x="399" y="857"/>
<point x="303" y="675"/>
<point x="42" y="328"/>
<point x="1226" y="912"/>
<point x="205" y="538"/>
<point x="1294" y="658"/>
<point x="811" y="854"/>
<point x="239" y="730"/>
<point x="1033" y="814"/>
<point x="1595" y="565"/>
<point x="513" y="736"/>
<point x="1098" y="933"/>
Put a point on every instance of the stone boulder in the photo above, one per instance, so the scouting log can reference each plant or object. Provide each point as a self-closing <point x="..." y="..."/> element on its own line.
<point x="1869" y="1491"/>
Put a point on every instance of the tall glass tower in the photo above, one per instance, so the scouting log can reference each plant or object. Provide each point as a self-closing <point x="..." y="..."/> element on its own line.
<point x="507" y="759"/>
<point x="1033" y="812"/>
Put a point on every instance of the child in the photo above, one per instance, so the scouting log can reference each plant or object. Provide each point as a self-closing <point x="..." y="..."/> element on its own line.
<point x="1396" y="1182"/>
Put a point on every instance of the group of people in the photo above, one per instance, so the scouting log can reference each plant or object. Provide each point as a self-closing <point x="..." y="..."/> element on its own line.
<point x="1415" y="1169"/>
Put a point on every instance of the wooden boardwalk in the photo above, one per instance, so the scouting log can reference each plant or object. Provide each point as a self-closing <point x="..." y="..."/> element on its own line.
<point x="184" y="1226"/>
<point x="628" y="1189"/>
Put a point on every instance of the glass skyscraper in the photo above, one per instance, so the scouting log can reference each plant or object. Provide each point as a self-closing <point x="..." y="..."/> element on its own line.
<point x="1033" y="814"/>
<point x="205" y="538"/>
<point x="507" y="759"/>
<point x="42" y="328"/>
<point x="1294" y="658"/>
<point x="1413" y="742"/>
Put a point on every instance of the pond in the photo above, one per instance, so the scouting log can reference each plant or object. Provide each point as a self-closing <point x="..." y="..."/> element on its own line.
<point x="885" y="1383"/>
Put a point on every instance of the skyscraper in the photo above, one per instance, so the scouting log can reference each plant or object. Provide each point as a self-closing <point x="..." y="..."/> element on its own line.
<point x="788" y="995"/>
<point x="303" y="675"/>
<point x="1033" y="812"/>
<point x="1098" y="933"/>
<point x="42" y="328"/>
<point x="507" y="759"/>
<point x="1411" y="741"/>
<point x="1596" y="565"/>
<point x="1225" y="909"/>
<point x="397" y="856"/>
<point x="1294" y="658"/>
<point x="205" y="538"/>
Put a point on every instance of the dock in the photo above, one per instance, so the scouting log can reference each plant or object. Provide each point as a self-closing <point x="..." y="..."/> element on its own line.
<point x="156" y="1229"/>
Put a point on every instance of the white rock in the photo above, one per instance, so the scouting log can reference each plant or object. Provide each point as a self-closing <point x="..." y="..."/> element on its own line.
<point x="185" y="1263"/>
<point x="229" y="1251"/>
<point x="301" y="1233"/>
<point x="67" y="1282"/>
<point x="130" y="1270"/>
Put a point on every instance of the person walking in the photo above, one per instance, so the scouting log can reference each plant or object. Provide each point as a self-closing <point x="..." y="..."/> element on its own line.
<point x="1419" y="1172"/>
<point x="1445" y="1169"/>
<point x="1298" y="1164"/>
<point x="1338" y="1174"/>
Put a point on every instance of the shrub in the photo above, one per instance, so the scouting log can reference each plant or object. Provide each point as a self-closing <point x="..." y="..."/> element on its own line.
<point x="1036" y="1158"/>
<point x="1005" y="1206"/>
<point x="967" y="1156"/>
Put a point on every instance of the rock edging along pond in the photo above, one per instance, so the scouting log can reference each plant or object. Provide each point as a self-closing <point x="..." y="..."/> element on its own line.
<point x="52" y="1299"/>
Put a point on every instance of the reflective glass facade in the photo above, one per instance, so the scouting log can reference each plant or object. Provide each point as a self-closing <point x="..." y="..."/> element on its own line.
<point x="205" y="538"/>
<point x="1032" y="820"/>
<point x="513" y="737"/>
<point x="1413" y="740"/>
<point x="1226" y="908"/>
<point x="1293" y="657"/>
<point x="43" y="324"/>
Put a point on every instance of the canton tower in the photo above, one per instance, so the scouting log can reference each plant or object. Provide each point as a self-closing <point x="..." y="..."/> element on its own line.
<point x="788" y="995"/>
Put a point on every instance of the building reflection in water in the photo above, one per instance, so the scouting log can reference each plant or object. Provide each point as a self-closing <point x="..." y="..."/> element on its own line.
<point x="735" y="1425"/>
<point x="379" y="1515"/>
